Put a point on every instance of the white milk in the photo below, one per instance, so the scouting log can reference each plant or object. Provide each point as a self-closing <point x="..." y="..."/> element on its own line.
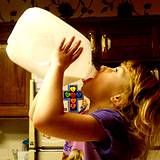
<point x="36" y="35"/>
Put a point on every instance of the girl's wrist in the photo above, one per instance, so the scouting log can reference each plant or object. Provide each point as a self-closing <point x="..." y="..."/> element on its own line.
<point x="58" y="66"/>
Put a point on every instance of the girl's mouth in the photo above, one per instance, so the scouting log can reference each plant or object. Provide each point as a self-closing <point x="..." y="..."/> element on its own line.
<point x="86" y="80"/>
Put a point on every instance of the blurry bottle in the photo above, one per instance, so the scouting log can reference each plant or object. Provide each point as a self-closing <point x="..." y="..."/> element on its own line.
<point x="25" y="145"/>
<point x="92" y="39"/>
<point x="156" y="73"/>
<point x="105" y="44"/>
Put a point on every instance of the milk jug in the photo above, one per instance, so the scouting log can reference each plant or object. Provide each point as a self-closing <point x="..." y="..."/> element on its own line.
<point x="36" y="36"/>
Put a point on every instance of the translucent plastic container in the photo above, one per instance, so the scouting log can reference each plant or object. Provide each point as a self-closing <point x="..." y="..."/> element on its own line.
<point x="36" y="35"/>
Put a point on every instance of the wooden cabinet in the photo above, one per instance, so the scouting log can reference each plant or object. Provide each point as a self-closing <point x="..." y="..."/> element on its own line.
<point x="112" y="40"/>
<point x="14" y="81"/>
<point x="116" y="39"/>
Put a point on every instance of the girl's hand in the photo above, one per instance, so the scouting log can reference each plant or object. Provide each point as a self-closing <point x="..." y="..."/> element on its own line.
<point x="67" y="53"/>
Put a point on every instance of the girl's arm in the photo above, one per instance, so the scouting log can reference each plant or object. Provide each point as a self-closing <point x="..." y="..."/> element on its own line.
<point x="49" y="116"/>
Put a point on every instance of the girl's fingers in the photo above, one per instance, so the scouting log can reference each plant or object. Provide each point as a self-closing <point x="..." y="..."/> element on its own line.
<point x="67" y="46"/>
<point x="61" y="44"/>
<point x="72" y="52"/>
<point x="76" y="54"/>
<point x="75" y="47"/>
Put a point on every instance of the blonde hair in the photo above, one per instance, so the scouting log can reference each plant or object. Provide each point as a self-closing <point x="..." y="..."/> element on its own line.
<point x="142" y="111"/>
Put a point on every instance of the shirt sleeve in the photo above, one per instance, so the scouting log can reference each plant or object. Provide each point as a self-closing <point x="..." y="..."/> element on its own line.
<point x="110" y="120"/>
<point x="116" y="142"/>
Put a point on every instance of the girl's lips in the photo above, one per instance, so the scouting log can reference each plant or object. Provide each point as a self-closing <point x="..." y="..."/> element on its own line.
<point x="86" y="80"/>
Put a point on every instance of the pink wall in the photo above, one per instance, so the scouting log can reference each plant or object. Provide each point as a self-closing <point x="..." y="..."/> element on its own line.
<point x="155" y="5"/>
<point x="7" y="6"/>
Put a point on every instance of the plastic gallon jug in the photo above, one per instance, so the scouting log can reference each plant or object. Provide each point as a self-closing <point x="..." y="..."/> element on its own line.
<point x="36" y="36"/>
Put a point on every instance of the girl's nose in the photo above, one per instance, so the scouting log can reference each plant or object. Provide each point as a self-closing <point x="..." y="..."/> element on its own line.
<point x="103" y="68"/>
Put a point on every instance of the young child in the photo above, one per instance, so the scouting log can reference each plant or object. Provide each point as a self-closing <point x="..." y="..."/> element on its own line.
<point x="122" y="122"/>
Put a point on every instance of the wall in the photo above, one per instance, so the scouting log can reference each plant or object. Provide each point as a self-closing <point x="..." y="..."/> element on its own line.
<point x="12" y="9"/>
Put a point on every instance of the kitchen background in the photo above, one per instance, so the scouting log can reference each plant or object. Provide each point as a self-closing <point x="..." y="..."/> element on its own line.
<point x="13" y="134"/>
<point x="14" y="131"/>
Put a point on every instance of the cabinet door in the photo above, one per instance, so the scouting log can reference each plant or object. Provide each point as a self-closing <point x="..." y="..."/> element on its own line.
<point x="129" y="41"/>
<point x="116" y="39"/>
<point x="14" y="87"/>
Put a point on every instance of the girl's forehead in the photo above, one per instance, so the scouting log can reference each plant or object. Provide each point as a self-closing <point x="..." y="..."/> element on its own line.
<point x="127" y="66"/>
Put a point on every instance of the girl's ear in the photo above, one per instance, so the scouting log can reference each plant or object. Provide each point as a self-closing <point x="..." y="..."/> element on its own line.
<point x="116" y="100"/>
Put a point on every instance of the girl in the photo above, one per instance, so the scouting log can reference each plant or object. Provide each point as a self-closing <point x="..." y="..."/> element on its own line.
<point x="122" y="122"/>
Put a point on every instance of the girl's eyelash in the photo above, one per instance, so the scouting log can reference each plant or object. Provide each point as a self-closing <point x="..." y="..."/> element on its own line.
<point x="116" y="69"/>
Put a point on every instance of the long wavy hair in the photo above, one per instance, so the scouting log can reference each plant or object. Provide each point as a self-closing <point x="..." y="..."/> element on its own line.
<point x="142" y="111"/>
